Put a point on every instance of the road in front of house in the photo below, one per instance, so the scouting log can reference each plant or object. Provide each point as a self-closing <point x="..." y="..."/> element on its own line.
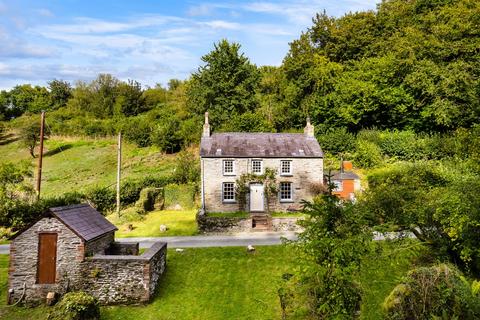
<point x="227" y="240"/>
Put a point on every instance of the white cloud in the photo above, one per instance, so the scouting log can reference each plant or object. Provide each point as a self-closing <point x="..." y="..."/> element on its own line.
<point x="200" y="10"/>
<point x="220" y="24"/>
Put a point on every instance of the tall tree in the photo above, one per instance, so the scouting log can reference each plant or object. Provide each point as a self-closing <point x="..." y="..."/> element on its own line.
<point x="60" y="92"/>
<point x="224" y="85"/>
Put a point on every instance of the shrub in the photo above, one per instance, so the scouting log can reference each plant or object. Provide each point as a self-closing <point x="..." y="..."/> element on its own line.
<point x="367" y="154"/>
<point x="76" y="306"/>
<point x="337" y="140"/>
<point x="187" y="168"/>
<point x="148" y="198"/>
<point x="103" y="199"/>
<point x="404" y="145"/>
<point x="431" y="292"/>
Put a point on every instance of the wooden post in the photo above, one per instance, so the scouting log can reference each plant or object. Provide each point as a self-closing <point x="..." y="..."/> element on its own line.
<point x="119" y="165"/>
<point x="40" y="155"/>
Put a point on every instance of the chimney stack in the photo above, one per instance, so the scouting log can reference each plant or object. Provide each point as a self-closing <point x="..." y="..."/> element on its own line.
<point x="309" y="130"/>
<point x="206" y="127"/>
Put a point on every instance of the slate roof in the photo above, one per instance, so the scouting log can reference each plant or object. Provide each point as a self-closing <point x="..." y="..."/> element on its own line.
<point x="262" y="145"/>
<point x="346" y="175"/>
<point x="84" y="220"/>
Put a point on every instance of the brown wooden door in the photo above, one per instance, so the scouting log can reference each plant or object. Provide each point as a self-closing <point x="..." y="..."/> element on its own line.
<point x="47" y="257"/>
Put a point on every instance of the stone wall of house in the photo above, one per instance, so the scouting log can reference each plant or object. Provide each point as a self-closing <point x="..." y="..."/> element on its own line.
<point x="123" y="248"/>
<point x="305" y="171"/>
<point x="24" y="256"/>
<point x="125" y="279"/>
<point x="99" y="245"/>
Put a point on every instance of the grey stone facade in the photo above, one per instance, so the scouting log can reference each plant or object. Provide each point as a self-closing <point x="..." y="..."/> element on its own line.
<point x="110" y="271"/>
<point x="305" y="172"/>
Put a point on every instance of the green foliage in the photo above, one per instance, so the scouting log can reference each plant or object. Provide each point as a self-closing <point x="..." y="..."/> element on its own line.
<point x="268" y="179"/>
<point x="30" y="135"/>
<point x="60" y="92"/>
<point x="149" y="197"/>
<point x="76" y="306"/>
<point x="367" y="154"/>
<point x="187" y="168"/>
<point x="225" y="85"/>
<point x="435" y="201"/>
<point x="336" y="140"/>
<point x="437" y="292"/>
<point x="331" y="249"/>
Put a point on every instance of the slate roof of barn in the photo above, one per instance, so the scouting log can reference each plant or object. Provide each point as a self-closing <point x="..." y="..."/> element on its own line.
<point x="261" y="145"/>
<point x="83" y="220"/>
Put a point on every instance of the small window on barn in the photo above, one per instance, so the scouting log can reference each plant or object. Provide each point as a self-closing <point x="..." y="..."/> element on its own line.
<point x="228" y="167"/>
<point x="257" y="166"/>
<point x="338" y="185"/>
<point x="228" y="192"/>
<point x="285" y="167"/>
<point x="286" y="191"/>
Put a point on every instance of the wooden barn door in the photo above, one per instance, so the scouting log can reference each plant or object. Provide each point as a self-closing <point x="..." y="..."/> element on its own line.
<point x="47" y="257"/>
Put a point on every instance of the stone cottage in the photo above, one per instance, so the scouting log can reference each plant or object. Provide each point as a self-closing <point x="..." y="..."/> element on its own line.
<point x="72" y="248"/>
<point x="296" y="158"/>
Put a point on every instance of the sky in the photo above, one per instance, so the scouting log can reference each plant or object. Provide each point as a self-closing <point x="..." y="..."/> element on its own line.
<point x="145" y="40"/>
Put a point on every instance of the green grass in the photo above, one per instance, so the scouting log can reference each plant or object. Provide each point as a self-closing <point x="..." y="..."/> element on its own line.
<point x="76" y="164"/>
<point x="229" y="283"/>
<point x="288" y="215"/>
<point x="179" y="223"/>
<point x="382" y="271"/>
<point x="202" y="283"/>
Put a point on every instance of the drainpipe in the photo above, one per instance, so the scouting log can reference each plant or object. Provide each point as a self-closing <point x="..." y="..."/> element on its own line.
<point x="203" y="185"/>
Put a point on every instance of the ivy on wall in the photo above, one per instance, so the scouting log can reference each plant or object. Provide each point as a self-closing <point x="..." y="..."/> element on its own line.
<point x="268" y="179"/>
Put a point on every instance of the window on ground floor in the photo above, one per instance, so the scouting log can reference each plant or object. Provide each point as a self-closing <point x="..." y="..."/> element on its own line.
<point x="228" y="192"/>
<point x="338" y="185"/>
<point x="286" y="191"/>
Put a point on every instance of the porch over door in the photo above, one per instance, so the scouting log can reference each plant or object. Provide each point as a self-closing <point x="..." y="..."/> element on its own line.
<point x="47" y="258"/>
<point x="256" y="198"/>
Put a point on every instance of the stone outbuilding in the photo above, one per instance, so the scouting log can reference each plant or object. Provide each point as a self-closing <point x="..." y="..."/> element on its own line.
<point x="73" y="248"/>
<point x="296" y="159"/>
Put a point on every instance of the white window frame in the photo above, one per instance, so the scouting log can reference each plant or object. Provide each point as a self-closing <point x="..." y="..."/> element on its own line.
<point x="338" y="185"/>
<point x="261" y="166"/>
<point x="223" y="192"/>
<point x="291" y="192"/>
<point x="290" y="167"/>
<point x="233" y="167"/>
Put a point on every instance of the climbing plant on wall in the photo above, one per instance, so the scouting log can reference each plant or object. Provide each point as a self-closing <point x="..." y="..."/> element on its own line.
<point x="268" y="179"/>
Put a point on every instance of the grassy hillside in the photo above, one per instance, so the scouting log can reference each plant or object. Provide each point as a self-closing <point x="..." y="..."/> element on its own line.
<point x="75" y="164"/>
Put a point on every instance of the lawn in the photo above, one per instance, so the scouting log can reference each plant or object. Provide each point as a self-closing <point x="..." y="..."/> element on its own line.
<point x="75" y="164"/>
<point x="201" y="283"/>
<point x="179" y="223"/>
<point x="229" y="283"/>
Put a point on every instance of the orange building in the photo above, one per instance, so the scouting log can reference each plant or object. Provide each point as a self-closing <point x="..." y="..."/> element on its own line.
<point x="346" y="181"/>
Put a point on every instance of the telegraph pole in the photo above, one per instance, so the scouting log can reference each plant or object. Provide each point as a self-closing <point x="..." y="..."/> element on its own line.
<point x="119" y="166"/>
<point x="40" y="155"/>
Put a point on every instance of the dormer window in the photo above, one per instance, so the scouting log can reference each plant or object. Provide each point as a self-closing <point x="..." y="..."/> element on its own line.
<point x="228" y="167"/>
<point x="257" y="166"/>
<point x="285" y="167"/>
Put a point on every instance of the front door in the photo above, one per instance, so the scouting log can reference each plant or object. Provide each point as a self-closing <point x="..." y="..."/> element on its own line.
<point x="47" y="257"/>
<point x="256" y="198"/>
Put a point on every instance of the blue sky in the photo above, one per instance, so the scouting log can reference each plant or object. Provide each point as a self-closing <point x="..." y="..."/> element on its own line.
<point x="149" y="41"/>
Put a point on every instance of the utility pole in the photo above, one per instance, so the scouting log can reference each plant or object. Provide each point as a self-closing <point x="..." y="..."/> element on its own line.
<point x="119" y="166"/>
<point x="40" y="155"/>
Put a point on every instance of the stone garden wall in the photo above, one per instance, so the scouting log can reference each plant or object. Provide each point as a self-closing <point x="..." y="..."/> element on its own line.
<point x="125" y="279"/>
<point x="236" y="224"/>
